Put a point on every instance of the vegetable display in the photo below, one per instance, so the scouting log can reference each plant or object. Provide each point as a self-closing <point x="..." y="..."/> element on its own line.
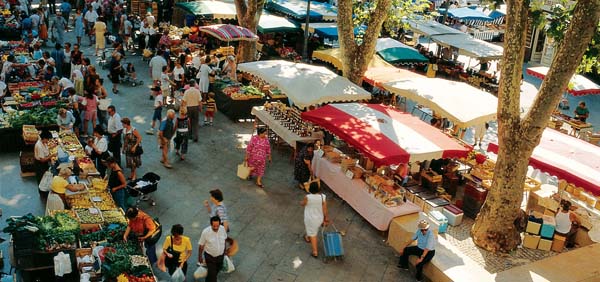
<point x="89" y="216"/>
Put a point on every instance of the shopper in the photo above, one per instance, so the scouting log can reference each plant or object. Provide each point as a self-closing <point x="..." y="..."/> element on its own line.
<point x="132" y="147"/>
<point x="114" y="129"/>
<point x="116" y="70"/>
<point x="215" y="207"/>
<point x="158" y="106"/>
<point x="100" y="30"/>
<point x="166" y="82"/>
<point x="178" y="75"/>
<point x="182" y="125"/>
<point x="315" y="215"/>
<point x="96" y="148"/>
<point x="212" y="248"/>
<point x="76" y="59"/>
<point x="91" y="112"/>
<point x="203" y="76"/>
<point x="42" y="155"/>
<point x="211" y="109"/>
<point x="66" y="66"/>
<point x="60" y="24"/>
<point x="176" y="251"/>
<point x="79" y="26"/>
<point x="425" y="249"/>
<point x="303" y="165"/>
<point x="257" y="153"/>
<point x="156" y="64"/>
<point x="116" y="182"/>
<point x="90" y="18"/>
<point x="167" y="130"/>
<point x="192" y="100"/>
<point x="141" y="227"/>
<point x="59" y="58"/>
<point x="60" y="184"/>
<point x="567" y="223"/>
<point x="65" y="120"/>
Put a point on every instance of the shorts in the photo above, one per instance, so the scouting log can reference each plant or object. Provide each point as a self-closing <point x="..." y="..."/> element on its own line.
<point x="157" y="114"/>
<point x="164" y="142"/>
<point x="209" y="114"/>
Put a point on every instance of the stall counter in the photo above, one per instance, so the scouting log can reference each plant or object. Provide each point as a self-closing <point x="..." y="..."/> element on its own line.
<point x="237" y="109"/>
<point x="287" y="135"/>
<point x="355" y="193"/>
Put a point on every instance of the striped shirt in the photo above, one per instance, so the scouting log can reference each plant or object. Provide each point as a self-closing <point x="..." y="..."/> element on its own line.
<point x="219" y="210"/>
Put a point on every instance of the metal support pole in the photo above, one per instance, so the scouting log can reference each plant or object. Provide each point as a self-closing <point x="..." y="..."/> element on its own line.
<point x="306" y="33"/>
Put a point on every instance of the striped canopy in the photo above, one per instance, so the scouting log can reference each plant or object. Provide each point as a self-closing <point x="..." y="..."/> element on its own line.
<point x="229" y="32"/>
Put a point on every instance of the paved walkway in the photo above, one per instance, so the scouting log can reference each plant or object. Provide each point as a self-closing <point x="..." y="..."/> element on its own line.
<point x="268" y="223"/>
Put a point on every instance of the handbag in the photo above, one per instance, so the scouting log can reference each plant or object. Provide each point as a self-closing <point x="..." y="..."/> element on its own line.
<point x="243" y="170"/>
<point x="172" y="261"/>
<point x="310" y="181"/>
<point x="156" y="235"/>
<point x="138" y="150"/>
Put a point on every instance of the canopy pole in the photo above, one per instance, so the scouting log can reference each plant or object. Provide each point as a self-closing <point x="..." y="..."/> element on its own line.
<point x="305" y="50"/>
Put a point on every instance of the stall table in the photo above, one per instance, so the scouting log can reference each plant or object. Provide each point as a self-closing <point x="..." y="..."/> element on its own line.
<point x="576" y="125"/>
<point x="285" y="134"/>
<point x="355" y="193"/>
<point x="238" y="109"/>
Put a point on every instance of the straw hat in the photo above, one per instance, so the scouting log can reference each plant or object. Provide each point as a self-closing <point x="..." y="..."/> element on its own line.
<point x="65" y="172"/>
<point x="423" y="224"/>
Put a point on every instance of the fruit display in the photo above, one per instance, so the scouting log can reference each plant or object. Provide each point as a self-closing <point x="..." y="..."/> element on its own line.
<point x="243" y="92"/>
<point x="98" y="184"/>
<point x="79" y="201"/>
<point x="89" y="216"/>
<point x="113" y="216"/>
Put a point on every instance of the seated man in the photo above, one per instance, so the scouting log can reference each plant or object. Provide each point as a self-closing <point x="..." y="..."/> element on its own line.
<point x="425" y="249"/>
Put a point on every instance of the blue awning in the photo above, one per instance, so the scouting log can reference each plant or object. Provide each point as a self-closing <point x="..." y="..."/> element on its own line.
<point x="466" y="14"/>
<point x="327" y="30"/>
<point x="297" y="9"/>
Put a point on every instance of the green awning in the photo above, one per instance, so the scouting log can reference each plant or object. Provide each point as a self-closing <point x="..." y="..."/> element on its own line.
<point x="395" y="52"/>
<point x="209" y="9"/>
<point x="271" y="23"/>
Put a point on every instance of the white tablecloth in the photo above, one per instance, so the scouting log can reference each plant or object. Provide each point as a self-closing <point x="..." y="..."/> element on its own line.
<point x="354" y="192"/>
<point x="287" y="135"/>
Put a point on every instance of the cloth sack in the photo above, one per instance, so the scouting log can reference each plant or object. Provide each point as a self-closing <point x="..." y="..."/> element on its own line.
<point x="310" y="181"/>
<point x="243" y="170"/>
<point x="228" y="266"/>
<point x="201" y="272"/>
<point x="178" y="275"/>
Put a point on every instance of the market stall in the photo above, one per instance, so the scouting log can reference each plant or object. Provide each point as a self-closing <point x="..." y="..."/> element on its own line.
<point x="462" y="104"/>
<point x="579" y="85"/>
<point x="229" y="32"/>
<point x="285" y="122"/>
<point x="305" y="85"/>
<point x="469" y="46"/>
<point x="10" y="27"/>
<point x="269" y="23"/>
<point x="334" y="55"/>
<point x="296" y="9"/>
<point x="395" y="52"/>
<point x="208" y="9"/>
<point x="383" y="137"/>
<point x="236" y="100"/>
<point x="470" y="16"/>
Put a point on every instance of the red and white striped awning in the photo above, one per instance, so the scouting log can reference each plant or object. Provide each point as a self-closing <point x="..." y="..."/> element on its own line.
<point x="579" y="85"/>
<point x="229" y="32"/>
<point x="384" y="134"/>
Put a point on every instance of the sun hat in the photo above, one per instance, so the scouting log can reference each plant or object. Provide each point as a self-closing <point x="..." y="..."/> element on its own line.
<point x="423" y="224"/>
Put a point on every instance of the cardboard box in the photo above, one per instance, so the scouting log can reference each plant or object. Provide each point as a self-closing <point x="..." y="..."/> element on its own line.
<point x="533" y="228"/>
<point x="559" y="243"/>
<point x="409" y="196"/>
<point x="454" y="214"/>
<point x="531" y="241"/>
<point x="419" y="202"/>
<point x="545" y="244"/>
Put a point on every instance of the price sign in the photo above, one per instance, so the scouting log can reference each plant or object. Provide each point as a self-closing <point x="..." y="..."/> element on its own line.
<point x="350" y="174"/>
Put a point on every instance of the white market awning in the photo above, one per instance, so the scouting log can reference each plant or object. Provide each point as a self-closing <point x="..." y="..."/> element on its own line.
<point x="461" y="103"/>
<point x="469" y="46"/>
<point x="306" y="85"/>
<point x="429" y="28"/>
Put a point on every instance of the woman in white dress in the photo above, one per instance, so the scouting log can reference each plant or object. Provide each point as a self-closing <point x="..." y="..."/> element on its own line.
<point x="315" y="215"/>
<point x="203" y="74"/>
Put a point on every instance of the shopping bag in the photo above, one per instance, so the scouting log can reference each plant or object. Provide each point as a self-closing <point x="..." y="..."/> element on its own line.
<point x="243" y="170"/>
<point x="178" y="275"/>
<point x="62" y="264"/>
<point x="310" y="181"/>
<point x="227" y="265"/>
<point x="201" y="272"/>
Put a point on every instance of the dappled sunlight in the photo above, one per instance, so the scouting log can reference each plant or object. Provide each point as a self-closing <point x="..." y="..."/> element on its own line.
<point x="8" y="169"/>
<point x="139" y="119"/>
<point x="296" y="262"/>
<point x="12" y="202"/>
<point x="242" y="140"/>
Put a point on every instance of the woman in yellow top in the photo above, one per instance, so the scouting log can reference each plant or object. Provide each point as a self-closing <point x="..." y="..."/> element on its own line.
<point x="176" y="250"/>
<point x="100" y="30"/>
<point x="59" y="184"/>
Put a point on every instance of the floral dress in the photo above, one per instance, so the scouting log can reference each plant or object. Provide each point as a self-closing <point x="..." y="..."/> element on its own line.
<point x="258" y="149"/>
<point x="129" y="140"/>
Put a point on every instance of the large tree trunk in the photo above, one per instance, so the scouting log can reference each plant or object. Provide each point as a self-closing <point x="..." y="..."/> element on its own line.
<point x="494" y="228"/>
<point x="248" y="14"/>
<point x="356" y="58"/>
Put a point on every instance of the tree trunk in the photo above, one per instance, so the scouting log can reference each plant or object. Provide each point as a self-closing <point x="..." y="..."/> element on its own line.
<point x="248" y="14"/>
<point x="494" y="228"/>
<point x="356" y="58"/>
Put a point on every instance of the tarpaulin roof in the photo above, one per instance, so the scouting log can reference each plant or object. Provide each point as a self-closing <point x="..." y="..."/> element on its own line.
<point x="209" y="9"/>
<point x="394" y="51"/>
<point x="380" y="75"/>
<point x="461" y="103"/>
<point x="430" y="28"/>
<point x="306" y="85"/>
<point x="334" y="57"/>
<point x="568" y="158"/>
<point x="297" y="9"/>
<point x="470" y="46"/>
<point x="579" y="85"/>
<point x="384" y="134"/>
<point x="271" y="23"/>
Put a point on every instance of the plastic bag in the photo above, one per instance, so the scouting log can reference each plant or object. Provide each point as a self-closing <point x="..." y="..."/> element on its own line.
<point x="227" y="265"/>
<point x="201" y="272"/>
<point x="62" y="264"/>
<point x="178" y="275"/>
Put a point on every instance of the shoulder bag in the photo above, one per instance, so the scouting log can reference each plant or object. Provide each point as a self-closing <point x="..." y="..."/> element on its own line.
<point x="156" y="235"/>
<point x="173" y="261"/>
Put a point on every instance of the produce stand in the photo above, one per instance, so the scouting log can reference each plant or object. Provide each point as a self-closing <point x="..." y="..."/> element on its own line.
<point x="365" y="173"/>
<point x="90" y="229"/>
<point x="289" y="129"/>
<point x="236" y="105"/>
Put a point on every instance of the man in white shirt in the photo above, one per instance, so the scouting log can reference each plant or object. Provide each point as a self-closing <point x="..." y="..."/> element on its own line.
<point x="156" y="64"/>
<point x="193" y="101"/>
<point x="212" y="244"/>
<point x="90" y="18"/>
<point x="114" y="129"/>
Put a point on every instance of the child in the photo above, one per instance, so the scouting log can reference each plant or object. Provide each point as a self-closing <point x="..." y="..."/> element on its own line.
<point x="182" y="124"/>
<point x="211" y="108"/>
<point x="158" y="104"/>
<point x="131" y="71"/>
<point x="165" y="81"/>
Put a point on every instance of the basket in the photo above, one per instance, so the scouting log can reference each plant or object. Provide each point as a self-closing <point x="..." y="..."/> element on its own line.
<point x="30" y="133"/>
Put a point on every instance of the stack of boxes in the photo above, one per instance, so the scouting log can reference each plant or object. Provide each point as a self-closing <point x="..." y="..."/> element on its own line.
<point x="547" y="232"/>
<point x="540" y="234"/>
<point x="454" y="214"/>
<point x="532" y="236"/>
<point x="440" y="220"/>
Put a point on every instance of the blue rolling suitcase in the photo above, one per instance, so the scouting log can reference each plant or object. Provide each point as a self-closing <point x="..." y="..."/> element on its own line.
<point x="332" y="243"/>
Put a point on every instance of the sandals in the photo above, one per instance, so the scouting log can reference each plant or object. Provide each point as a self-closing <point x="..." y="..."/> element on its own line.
<point x="314" y="255"/>
<point x="306" y="239"/>
<point x="260" y="185"/>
